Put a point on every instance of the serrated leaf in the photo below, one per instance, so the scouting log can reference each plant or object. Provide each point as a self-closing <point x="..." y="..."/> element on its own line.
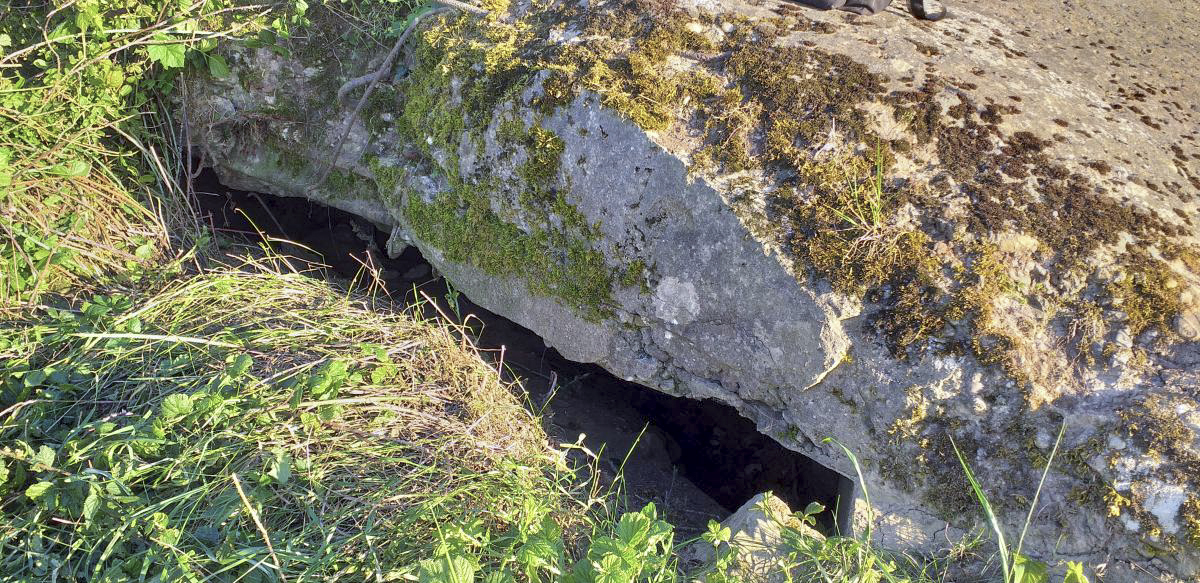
<point x="1075" y="573"/>
<point x="633" y="529"/>
<point x="45" y="456"/>
<point x="176" y="406"/>
<point x="538" y="551"/>
<point x="455" y="569"/>
<point x="1027" y="570"/>
<point x="240" y="365"/>
<point x="35" y="378"/>
<point x="169" y="536"/>
<point x="327" y="413"/>
<point x="72" y="169"/>
<point x="168" y="54"/>
<point x="38" y="490"/>
<point x="91" y="505"/>
<point x="217" y="67"/>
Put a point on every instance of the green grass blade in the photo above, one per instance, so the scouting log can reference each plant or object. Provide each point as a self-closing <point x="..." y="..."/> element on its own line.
<point x="987" y="511"/>
<point x="1045" y="471"/>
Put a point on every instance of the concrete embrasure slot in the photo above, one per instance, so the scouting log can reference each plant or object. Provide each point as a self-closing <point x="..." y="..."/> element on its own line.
<point x="697" y="460"/>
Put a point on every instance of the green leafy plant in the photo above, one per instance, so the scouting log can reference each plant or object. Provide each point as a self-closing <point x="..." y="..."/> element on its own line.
<point x="638" y="550"/>
<point x="88" y="166"/>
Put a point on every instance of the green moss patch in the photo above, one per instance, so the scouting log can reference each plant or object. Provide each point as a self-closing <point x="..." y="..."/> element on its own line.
<point x="475" y="222"/>
<point x="1148" y="294"/>
<point x="551" y="261"/>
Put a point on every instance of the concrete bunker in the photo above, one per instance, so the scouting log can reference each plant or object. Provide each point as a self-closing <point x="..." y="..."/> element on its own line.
<point x="687" y="444"/>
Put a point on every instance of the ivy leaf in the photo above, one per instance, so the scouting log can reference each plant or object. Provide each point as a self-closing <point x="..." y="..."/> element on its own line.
<point x="217" y="67"/>
<point x="168" y="54"/>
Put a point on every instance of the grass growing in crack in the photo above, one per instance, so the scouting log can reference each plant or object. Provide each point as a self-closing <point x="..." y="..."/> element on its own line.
<point x="863" y="212"/>
<point x="1016" y="567"/>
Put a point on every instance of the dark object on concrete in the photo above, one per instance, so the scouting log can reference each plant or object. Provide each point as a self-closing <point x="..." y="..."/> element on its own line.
<point x="917" y="7"/>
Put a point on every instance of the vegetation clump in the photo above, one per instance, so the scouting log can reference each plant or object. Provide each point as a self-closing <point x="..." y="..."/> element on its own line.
<point x="212" y="434"/>
<point x="1148" y="294"/>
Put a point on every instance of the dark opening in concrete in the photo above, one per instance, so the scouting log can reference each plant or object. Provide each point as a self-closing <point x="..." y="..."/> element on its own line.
<point x="682" y="445"/>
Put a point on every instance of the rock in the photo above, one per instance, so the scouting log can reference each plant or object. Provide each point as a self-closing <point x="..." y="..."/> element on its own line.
<point x="756" y="540"/>
<point x="609" y="222"/>
<point x="1187" y="324"/>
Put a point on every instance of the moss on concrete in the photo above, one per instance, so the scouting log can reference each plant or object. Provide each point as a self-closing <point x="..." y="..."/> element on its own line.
<point x="1154" y="424"/>
<point x="1148" y="293"/>
<point x="551" y="262"/>
<point x="449" y="100"/>
<point x="1190" y="515"/>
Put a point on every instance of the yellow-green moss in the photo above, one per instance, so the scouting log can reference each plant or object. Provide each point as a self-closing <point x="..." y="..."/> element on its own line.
<point x="1190" y="514"/>
<point x="539" y="172"/>
<point x="387" y="181"/>
<point x="1154" y="424"/>
<point x="908" y="428"/>
<point x="1148" y="294"/>
<point x="554" y="253"/>
<point x="634" y="275"/>
<point x="550" y="261"/>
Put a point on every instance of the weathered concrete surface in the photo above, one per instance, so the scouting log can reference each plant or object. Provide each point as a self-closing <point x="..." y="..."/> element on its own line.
<point x="711" y="298"/>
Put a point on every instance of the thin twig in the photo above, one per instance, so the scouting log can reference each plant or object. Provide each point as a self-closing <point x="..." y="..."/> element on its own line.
<point x="261" y="529"/>
<point x="373" y="79"/>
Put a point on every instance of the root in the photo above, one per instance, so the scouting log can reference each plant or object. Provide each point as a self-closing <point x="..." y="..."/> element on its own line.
<point x="372" y="79"/>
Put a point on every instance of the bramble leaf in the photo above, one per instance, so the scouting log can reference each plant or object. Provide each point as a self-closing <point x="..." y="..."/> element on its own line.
<point x="168" y="54"/>
<point x="217" y="67"/>
<point x="281" y="469"/>
<point x="1075" y="573"/>
<point x="176" y="405"/>
<point x="38" y="490"/>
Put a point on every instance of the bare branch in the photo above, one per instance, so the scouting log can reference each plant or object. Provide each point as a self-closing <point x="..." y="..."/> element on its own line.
<point x="372" y="79"/>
